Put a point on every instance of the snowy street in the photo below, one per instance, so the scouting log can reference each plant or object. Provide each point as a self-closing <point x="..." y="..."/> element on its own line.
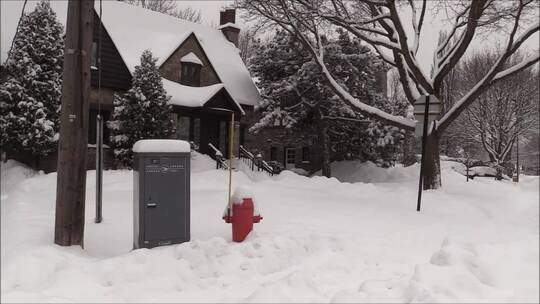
<point x="321" y="240"/>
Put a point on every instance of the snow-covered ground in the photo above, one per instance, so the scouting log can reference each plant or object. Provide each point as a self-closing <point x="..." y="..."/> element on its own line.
<point x="321" y="240"/>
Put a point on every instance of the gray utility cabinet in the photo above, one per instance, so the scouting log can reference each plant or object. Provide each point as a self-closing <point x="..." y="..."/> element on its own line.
<point x="161" y="194"/>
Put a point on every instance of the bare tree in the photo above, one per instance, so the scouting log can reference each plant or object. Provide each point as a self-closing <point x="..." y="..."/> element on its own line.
<point x="188" y="13"/>
<point x="504" y="112"/>
<point x="247" y="44"/>
<point x="380" y="24"/>
<point x="169" y="7"/>
<point x="397" y="98"/>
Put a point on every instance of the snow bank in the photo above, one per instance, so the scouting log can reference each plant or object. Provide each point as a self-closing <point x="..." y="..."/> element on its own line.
<point x="161" y="145"/>
<point x="322" y="240"/>
<point x="368" y="172"/>
<point x="13" y="173"/>
<point x="201" y="162"/>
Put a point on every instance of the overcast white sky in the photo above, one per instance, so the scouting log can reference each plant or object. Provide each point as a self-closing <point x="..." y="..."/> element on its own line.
<point x="11" y="10"/>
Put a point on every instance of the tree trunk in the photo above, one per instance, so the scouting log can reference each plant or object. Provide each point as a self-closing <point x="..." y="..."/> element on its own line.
<point x="432" y="163"/>
<point x="325" y="142"/>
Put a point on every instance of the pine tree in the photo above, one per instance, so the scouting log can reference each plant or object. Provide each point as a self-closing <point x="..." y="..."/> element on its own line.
<point x="30" y="92"/>
<point x="140" y="113"/>
<point x="297" y="95"/>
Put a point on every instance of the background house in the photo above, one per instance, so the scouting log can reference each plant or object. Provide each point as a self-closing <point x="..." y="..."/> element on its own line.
<point x="292" y="148"/>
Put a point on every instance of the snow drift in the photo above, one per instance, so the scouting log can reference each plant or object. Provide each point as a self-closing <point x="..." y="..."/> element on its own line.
<point x="322" y="241"/>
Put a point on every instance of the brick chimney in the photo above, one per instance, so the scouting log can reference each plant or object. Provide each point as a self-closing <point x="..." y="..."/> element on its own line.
<point x="227" y="25"/>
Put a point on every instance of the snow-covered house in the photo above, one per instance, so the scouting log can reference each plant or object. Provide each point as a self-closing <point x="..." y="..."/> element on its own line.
<point x="201" y="68"/>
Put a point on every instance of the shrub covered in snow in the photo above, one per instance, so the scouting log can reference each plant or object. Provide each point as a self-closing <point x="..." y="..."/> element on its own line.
<point x="31" y="88"/>
<point x="141" y="113"/>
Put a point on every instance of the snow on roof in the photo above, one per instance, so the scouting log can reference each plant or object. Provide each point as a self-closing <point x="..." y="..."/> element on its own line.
<point x="134" y="29"/>
<point x="228" y="24"/>
<point x="182" y="95"/>
<point x="161" y="145"/>
<point x="191" y="58"/>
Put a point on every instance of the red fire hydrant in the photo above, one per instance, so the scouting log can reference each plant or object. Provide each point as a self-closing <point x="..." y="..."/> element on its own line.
<point x="242" y="217"/>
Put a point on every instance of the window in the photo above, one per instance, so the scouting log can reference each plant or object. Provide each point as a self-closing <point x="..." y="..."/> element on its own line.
<point x="94" y="62"/>
<point x="290" y="156"/>
<point x="182" y="128"/>
<point x="190" y="74"/>
<point x="305" y="154"/>
<point x="273" y="153"/>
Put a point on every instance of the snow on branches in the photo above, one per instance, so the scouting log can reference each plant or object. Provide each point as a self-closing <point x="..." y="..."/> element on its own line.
<point x="141" y="113"/>
<point x="298" y="96"/>
<point x="30" y="90"/>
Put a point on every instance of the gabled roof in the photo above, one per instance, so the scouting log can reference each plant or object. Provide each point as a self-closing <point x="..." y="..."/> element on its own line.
<point x="194" y="97"/>
<point x="134" y="29"/>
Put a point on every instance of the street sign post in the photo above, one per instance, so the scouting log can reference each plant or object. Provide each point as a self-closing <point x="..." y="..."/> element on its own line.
<point x="435" y="108"/>
<point x="426" y="109"/>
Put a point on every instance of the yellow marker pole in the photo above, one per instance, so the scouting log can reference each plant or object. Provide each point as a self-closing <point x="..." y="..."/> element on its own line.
<point x="231" y="145"/>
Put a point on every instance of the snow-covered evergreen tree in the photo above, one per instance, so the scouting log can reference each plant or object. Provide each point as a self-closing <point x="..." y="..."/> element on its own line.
<point x="140" y="113"/>
<point x="30" y="90"/>
<point x="276" y="66"/>
<point x="297" y="95"/>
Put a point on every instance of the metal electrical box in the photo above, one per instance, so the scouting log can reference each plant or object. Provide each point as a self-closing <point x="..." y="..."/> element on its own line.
<point x="161" y="197"/>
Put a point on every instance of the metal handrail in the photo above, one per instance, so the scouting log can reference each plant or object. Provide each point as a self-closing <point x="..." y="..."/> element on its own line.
<point x="221" y="162"/>
<point x="254" y="161"/>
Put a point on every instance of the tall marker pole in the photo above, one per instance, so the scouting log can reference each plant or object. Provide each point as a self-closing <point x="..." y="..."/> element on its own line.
<point x="231" y="145"/>
<point x="73" y="141"/>
<point x="517" y="159"/>
<point x="424" y="135"/>
<point x="99" y="133"/>
<point x="99" y="168"/>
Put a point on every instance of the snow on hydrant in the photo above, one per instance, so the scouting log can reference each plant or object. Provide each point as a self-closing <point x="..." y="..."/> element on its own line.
<point x="242" y="213"/>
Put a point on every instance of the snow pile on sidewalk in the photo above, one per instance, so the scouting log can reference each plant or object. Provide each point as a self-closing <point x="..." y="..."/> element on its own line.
<point x="368" y="172"/>
<point x="321" y="241"/>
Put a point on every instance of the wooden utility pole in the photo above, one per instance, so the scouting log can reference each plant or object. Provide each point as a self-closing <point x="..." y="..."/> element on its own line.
<point x="72" y="145"/>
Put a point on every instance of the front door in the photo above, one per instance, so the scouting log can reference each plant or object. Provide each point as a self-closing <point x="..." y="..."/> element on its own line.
<point x="290" y="158"/>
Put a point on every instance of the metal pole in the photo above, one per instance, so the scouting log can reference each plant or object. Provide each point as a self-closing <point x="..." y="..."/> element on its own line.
<point x="424" y="135"/>
<point x="99" y="168"/>
<point x="467" y="166"/>
<point x="231" y="144"/>
<point x="517" y="159"/>
<point x="99" y="133"/>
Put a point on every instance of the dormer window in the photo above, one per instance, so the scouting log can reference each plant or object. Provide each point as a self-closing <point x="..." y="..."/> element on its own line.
<point x="191" y="70"/>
